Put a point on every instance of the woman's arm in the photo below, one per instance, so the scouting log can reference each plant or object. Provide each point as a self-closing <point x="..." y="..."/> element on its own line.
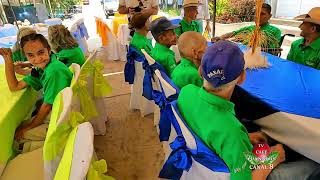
<point x="13" y="83"/>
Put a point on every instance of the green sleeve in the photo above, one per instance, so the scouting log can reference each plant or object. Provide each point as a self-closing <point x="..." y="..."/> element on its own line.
<point x="194" y="78"/>
<point x="52" y="85"/>
<point x="18" y="56"/>
<point x="232" y="147"/>
<point x="291" y="53"/>
<point x="170" y="64"/>
<point x="178" y="31"/>
<point x="32" y="81"/>
<point x="247" y="28"/>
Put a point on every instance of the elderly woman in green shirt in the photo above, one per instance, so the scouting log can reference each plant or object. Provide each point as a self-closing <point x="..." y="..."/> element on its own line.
<point x="140" y="21"/>
<point x="65" y="45"/>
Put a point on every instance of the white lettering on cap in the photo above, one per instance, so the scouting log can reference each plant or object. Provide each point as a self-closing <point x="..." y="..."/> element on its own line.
<point x="216" y="73"/>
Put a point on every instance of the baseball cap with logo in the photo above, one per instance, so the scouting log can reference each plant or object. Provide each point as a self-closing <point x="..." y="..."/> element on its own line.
<point x="161" y="25"/>
<point x="222" y="63"/>
<point x="313" y="16"/>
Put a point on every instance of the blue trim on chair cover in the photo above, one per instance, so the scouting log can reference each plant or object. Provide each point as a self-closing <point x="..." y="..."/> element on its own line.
<point x="83" y="31"/>
<point x="161" y="99"/>
<point x="77" y="36"/>
<point x="148" y="78"/>
<point x="181" y="156"/>
<point x="129" y="69"/>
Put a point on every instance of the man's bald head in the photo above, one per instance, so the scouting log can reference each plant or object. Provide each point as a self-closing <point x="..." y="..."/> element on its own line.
<point x="190" y="40"/>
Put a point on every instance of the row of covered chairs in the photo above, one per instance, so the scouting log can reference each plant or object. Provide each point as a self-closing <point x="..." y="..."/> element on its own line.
<point x="186" y="156"/>
<point x="68" y="151"/>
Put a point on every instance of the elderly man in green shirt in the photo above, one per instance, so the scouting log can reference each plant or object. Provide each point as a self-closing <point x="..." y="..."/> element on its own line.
<point x="191" y="47"/>
<point x="189" y="23"/>
<point x="211" y="116"/>
<point x="273" y="33"/>
<point x="163" y="32"/>
<point x="306" y="50"/>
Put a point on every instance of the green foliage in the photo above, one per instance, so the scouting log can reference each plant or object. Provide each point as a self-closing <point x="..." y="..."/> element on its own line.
<point x="63" y="5"/>
<point x="232" y="11"/>
<point x="172" y="11"/>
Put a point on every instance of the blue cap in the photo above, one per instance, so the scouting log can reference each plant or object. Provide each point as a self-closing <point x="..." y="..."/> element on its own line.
<point x="222" y="63"/>
<point x="161" y="25"/>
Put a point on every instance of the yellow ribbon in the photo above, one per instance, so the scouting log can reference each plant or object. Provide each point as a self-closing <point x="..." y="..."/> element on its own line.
<point x="97" y="170"/>
<point x="88" y="107"/>
<point x="56" y="142"/>
<point x="101" y="86"/>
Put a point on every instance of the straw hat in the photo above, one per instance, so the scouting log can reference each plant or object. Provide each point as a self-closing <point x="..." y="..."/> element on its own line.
<point x="313" y="16"/>
<point x="191" y="3"/>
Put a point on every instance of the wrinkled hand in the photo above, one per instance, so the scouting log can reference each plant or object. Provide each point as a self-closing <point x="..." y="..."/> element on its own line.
<point x="282" y="155"/>
<point x="6" y="52"/>
<point x="258" y="137"/>
<point x="215" y="39"/>
<point x="131" y="10"/>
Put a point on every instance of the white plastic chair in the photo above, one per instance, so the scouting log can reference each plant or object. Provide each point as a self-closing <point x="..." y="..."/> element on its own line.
<point x="137" y="101"/>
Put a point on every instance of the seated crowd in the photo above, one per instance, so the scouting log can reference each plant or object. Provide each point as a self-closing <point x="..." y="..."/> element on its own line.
<point x="207" y="78"/>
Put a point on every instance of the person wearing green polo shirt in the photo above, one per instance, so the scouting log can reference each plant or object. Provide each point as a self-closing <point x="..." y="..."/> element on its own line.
<point x="141" y="24"/>
<point x="273" y="33"/>
<point x="189" y="23"/>
<point x="163" y="31"/>
<point x="49" y="74"/>
<point x="306" y="50"/>
<point x="65" y="45"/>
<point x="209" y="113"/>
<point x="191" y="47"/>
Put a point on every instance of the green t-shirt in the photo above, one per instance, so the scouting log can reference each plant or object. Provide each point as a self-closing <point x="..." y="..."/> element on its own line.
<point x="213" y="120"/>
<point x="141" y="42"/>
<point x="72" y="55"/>
<point x="54" y="78"/>
<point x="164" y="56"/>
<point x="307" y="55"/>
<point x="186" y="73"/>
<point x="185" y="27"/>
<point x="19" y="56"/>
<point x="268" y="29"/>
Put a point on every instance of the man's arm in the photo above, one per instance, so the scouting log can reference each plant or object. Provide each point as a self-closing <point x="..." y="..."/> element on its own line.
<point x="13" y="83"/>
<point x="37" y="120"/>
<point x="223" y="37"/>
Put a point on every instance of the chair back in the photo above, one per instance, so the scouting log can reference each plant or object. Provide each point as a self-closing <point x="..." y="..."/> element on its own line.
<point x="198" y="162"/>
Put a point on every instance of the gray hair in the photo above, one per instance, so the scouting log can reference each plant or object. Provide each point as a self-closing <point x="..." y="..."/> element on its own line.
<point x="209" y="87"/>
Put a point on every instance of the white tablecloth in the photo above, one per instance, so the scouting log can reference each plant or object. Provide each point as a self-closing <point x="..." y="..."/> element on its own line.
<point x="8" y="30"/>
<point x="53" y="21"/>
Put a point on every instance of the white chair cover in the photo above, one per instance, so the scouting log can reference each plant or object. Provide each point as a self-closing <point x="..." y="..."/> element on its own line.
<point x="83" y="152"/>
<point x="161" y="84"/>
<point x="98" y="123"/>
<point x="198" y="170"/>
<point x="137" y="101"/>
<point x="50" y="167"/>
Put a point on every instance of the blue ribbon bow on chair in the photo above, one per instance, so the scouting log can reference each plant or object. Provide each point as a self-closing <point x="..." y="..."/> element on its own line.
<point x="181" y="156"/>
<point x="129" y="68"/>
<point x="165" y="113"/>
<point x="148" y="78"/>
<point x="83" y="31"/>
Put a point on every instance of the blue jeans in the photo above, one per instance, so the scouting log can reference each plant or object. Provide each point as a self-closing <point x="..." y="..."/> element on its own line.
<point x="295" y="170"/>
